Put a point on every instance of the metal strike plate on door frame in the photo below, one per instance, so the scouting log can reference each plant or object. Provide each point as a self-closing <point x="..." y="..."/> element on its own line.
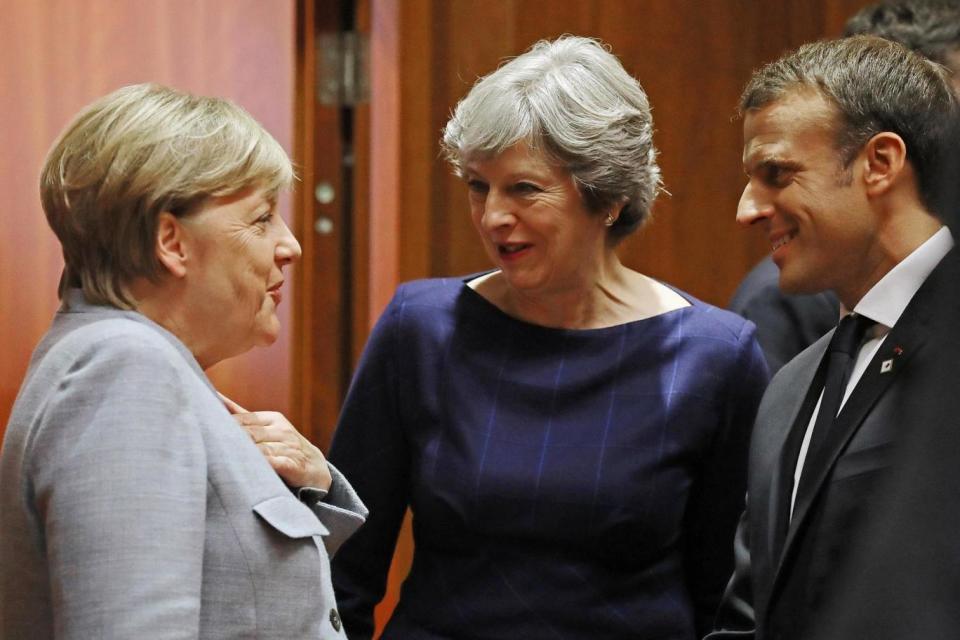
<point x="343" y="77"/>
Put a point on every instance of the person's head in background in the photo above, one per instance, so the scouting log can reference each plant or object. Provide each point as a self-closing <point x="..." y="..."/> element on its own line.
<point x="929" y="27"/>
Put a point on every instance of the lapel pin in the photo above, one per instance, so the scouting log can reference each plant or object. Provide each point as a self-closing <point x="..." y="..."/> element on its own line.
<point x="886" y="366"/>
<point x="898" y="350"/>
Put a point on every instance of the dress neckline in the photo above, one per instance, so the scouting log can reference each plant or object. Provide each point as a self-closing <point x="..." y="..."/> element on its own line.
<point x="481" y="303"/>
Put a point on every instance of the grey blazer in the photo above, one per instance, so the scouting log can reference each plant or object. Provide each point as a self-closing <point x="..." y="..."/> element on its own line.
<point x="133" y="506"/>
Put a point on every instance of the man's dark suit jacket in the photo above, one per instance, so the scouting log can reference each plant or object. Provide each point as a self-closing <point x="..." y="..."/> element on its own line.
<point x="904" y="580"/>
<point x="786" y="574"/>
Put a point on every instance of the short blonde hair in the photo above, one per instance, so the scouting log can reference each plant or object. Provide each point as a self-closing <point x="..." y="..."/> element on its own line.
<point x="139" y="151"/>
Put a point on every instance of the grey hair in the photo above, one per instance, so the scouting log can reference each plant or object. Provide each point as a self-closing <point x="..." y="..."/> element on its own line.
<point x="571" y="99"/>
<point x="139" y="151"/>
<point x="876" y="85"/>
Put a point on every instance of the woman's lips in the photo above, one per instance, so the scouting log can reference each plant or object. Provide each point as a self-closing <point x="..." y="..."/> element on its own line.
<point x="274" y="292"/>
<point x="513" y="250"/>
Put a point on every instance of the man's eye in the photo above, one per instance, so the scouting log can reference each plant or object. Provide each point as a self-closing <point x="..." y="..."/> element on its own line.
<point x="264" y="219"/>
<point x="777" y="176"/>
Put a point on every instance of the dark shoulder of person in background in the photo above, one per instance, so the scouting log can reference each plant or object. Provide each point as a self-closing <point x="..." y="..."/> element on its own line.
<point x="786" y="324"/>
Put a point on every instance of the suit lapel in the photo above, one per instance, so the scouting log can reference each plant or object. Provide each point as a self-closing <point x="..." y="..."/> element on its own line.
<point x="781" y="476"/>
<point x="773" y="434"/>
<point x="900" y="344"/>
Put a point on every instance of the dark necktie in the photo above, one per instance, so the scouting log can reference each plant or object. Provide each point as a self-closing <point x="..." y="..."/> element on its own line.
<point x="841" y="354"/>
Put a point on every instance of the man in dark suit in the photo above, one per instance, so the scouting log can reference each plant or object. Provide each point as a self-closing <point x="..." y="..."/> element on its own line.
<point x="789" y="323"/>
<point x="842" y="145"/>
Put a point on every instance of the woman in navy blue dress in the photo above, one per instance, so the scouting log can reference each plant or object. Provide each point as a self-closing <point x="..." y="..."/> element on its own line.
<point x="570" y="434"/>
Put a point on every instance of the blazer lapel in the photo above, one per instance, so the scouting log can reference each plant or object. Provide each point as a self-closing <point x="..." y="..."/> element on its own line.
<point x="898" y="347"/>
<point x="775" y="422"/>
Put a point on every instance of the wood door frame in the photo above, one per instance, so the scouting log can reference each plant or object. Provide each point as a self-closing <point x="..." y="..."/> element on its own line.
<point x="323" y="304"/>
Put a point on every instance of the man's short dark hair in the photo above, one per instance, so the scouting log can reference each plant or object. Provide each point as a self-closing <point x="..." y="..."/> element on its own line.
<point x="876" y="85"/>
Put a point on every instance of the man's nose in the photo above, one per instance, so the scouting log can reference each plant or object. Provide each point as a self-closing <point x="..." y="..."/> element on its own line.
<point x="753" y="206"/>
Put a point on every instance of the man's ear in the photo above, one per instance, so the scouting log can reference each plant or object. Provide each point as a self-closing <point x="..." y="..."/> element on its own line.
<point x="885" y="156"/>
<point x="171" y="244"/>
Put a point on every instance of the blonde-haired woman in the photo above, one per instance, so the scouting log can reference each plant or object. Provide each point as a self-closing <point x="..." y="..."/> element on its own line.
<point x="133" y="505"/>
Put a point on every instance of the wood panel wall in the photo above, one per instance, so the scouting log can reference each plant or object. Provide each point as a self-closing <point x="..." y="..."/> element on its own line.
<point x="692" y="57"/>
<point x="58" y="55"/>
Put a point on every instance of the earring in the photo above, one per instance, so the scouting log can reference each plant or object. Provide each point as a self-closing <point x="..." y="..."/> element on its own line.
<point x="609" y="220"/>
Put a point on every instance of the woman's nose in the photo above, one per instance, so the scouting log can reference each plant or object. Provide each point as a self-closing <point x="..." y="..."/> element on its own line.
<point x="497" y="210"/>
<point x="288" y="248"/>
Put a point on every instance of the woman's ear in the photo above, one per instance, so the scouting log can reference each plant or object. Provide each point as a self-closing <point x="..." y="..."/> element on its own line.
<point x="885" y="156"/>
<point x="171" y="245"/>
<point x="616" y="209"/>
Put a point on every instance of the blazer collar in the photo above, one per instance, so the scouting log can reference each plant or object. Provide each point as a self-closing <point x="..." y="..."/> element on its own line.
<point x="74" y="302"/>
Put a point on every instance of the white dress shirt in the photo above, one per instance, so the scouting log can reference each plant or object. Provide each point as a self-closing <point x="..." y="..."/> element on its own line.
<point x="883" y="303"/>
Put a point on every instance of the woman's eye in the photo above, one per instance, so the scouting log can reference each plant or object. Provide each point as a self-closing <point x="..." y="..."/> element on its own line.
<point x="264" y="219"/>
<point x="476" y="186"/>
<point x="525" y="188"/>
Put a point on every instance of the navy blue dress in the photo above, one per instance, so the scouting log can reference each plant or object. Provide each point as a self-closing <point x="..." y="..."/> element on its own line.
<point x="563" y="483"/>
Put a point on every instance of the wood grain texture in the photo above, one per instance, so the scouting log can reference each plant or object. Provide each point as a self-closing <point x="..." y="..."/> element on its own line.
<point x="59" y="56"/>
<point x="323" y="308"/>
<point x="691" y="56"/>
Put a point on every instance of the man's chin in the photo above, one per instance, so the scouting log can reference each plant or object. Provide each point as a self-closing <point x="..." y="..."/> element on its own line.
<point x="799" y="286"/>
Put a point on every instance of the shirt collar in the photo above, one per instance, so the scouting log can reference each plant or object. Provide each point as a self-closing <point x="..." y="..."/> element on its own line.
<point x="887" y="299"/>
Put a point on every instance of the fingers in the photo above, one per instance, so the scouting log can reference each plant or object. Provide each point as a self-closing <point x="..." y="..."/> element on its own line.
<point x="262" y="431"/>
<point x="279" y="450"/>
<point x="284" y="466"/>
<point x="231" y="406"/>
<point x="254" y="419"/>
<point x="295" y="459"/>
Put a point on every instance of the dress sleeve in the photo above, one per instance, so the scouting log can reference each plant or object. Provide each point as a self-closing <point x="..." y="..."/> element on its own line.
<point x="717" y="498"/>
<point x="118" y="475"/>
<point x="370" y="448"/>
